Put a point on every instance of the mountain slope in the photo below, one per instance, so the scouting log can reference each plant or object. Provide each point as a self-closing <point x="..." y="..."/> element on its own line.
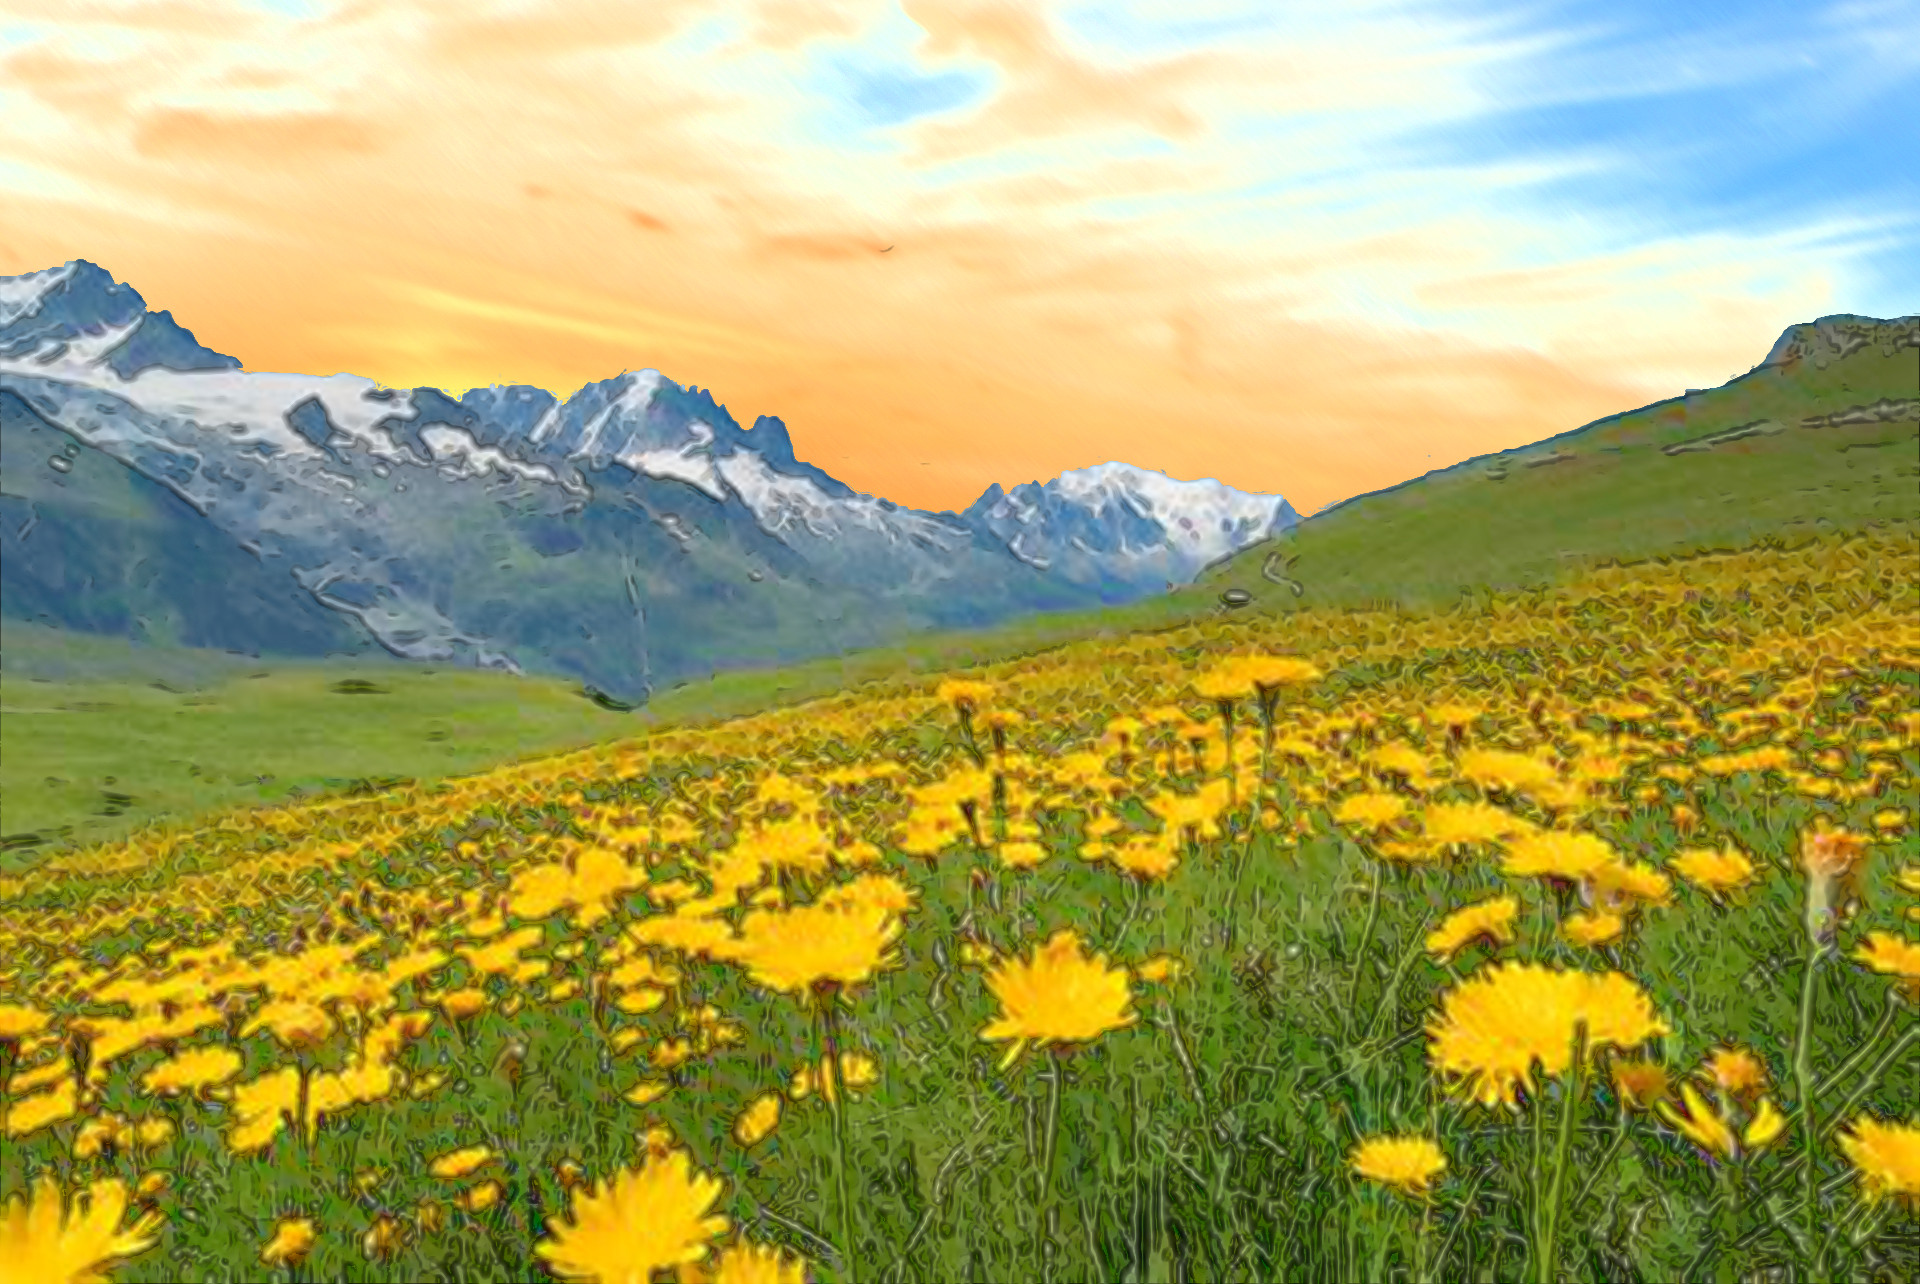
<point x="630" y="535"/>
<point x="1820" y="436"/>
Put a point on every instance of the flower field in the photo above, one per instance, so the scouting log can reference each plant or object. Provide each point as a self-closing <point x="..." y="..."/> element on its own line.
<point x="1572" y="935"/>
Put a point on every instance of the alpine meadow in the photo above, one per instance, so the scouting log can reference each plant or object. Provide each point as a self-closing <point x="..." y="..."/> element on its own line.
<point x="1508" y="876"/>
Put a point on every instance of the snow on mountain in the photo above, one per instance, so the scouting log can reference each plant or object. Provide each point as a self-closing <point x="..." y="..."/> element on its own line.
<point x="440" y="524"/>
<point x="1125" y="530"/>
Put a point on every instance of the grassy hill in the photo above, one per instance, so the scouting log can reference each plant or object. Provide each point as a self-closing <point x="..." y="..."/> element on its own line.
<point x="101" y="736"/>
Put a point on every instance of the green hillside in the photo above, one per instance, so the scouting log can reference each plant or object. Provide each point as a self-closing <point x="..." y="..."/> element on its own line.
<point x="1822" y="440"/>
<point x="100" y="736"/>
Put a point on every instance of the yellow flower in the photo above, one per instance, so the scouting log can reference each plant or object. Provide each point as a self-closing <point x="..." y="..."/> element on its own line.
<point x="1767" y="1124"/>
<point x="1640" y="1083"/>
<point x="292" y="1241"/>
<point x="1699" y="1123"/>
<point x="746" y="1263"/>
<point x="1370" y="811"/>
<point x="42" y="1241"/>
<point x="1497" y="1024"/>
<point x="646" y="1092"/>
<point x="194" y="1070"/>
<point x="1888" y="1158"/>
<point x="809" y="947"/>
<point x="1405" y="1163"/>
<point x="1558" y="854"/>
<point x="1060" y="995"/>
<point x="1159" y="970"/>
<point x="458" y="1164"/>
<point x="1885" y="952"/>
<point x="963" y="694"/>
<point x="857" y="1071"/>
<point x="1716" y="872"/>
<point x="757" y="1122"/>
<point x="480" y="1198"/>
<point x="1736" y="1070"/>
<point x="1491" y="921"/>
<point x="383" y="1238"/>
<point x="1592" y="929"/>
<point x="639" y="1223"/>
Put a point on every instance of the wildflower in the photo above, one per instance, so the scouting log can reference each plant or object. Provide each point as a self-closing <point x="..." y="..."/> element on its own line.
<point x="757" y="1122"/>
<point x="42" y="1239"/>
<point x="1558" y="854"/>
<point x="193" y="1071"/>
<point x="746" y="1263"/>
<point x="1736" y="1071"/>
<point x="479" y="1199"/>
<point x="1640" y="1083"/>
<point x="1494" y="1026"/>
<point x="1593" y="929"/>
<point x="1159" y="970"/>
<point x="1407" y="1164"/>
<point x="1831" y="861"/>
<point x="1060" y="995"/>
<point x="1716" y="872"/>
<point x="458" y="1164"/>
<point x="1490" y="921"/>
<point x="1371" y="811"/>
<point x="809" y="947"/>
<point x="639" y="1223"/>
<point x="1885" y="952"/>
<point x="383" y="1238"/>
<point x="292" y="1240"/>
<point x="1887" y="1157"/>
<point x="1700" y="1123"/>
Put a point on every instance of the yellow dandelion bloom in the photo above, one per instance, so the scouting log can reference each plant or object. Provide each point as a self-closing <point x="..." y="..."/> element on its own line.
<point x="1699" y="1122"/>
<point x="194" y="1070"/>
<point x="1640" y="1083"/>
<point x="42" y="1239"/>
<point x="640" y="1222"/>
<point x="293" y="1239"/>
<point x="458" y="1164"/>
<point x="1490" y="921"/>
<point x="757" y="1122"/>
<point x="1896" y="956"/>
<point x="1494" y="1027"/>
<point x="1715" y="872"/>
<point x="646" y="1092"/>
<point x="1558" y="854"/>
<point x="1408" y="1164"/>
<point x="746" y="1263"/>
<point x="1059" y="995"/>
<point x="1370" y="811"/>
<point x="1592" y="929"/>
<point x="479" y="1199"/>
<point x="1766" y="1125"/>
<point x="1887" y="1156"/>
<point x="1160" y="969"/>
<point x="801" y="949"/>
<point x="1735" y="1070"/>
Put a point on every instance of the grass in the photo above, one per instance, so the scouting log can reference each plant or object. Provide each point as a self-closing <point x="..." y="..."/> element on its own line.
<point x="1207" y="1141"/>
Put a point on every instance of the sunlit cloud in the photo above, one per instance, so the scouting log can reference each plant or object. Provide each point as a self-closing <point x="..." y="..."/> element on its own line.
<point x="1305" y="248"/>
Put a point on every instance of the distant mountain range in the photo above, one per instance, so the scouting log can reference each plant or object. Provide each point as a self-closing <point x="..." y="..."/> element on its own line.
<point x="630" y="536"/>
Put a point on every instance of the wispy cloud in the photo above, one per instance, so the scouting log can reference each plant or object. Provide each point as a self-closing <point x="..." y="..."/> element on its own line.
<point x="1307" y="248"/>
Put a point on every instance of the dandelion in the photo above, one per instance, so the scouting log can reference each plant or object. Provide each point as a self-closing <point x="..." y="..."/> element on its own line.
<point x="1699" y="1122"/>
<point x="1407" y="1164"/>
<point x="1736" y="1071"/>
<point x="1718" y="873"/>
<point x="1497" y="1024"/>
<point x="293" y="1239"/>
<point x="1887" y="1156"/>
<point x="1595" y="929"/>
<point x="642" y="1221"/>
<point x="458" y="1164"/>
<point x="1640" y="1083"/>
<point x="1895" y="956"/>
<point x="193" y="1071"/>
<point x="746" y="1263"/>
<point x="757" y="1122"/>
<point x="43" y="1241"/>
<point x="1059" y="995"/>
<point x="1490" y="921"/>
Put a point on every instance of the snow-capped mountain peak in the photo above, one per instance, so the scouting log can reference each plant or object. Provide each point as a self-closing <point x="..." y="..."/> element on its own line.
<point x="1124" y="529"/>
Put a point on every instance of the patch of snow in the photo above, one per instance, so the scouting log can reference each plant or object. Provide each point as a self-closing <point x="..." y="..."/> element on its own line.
<point x="459" y="455"/>
<point x="20" y="296"/>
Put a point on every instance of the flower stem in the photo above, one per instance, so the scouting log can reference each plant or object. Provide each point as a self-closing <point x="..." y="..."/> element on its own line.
<point x="1803" y="1083"/>
<point x="1239" y="879"/>
<point x="1366" y="942"/>
<point x="837" y="1107"/>
<point x="1043" y="1216"/>
<point x="1547" y="1262"/>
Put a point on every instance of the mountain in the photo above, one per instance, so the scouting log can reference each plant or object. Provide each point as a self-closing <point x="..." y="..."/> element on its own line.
<point x="631" y="535"/>
<point x="1125" y="531"/>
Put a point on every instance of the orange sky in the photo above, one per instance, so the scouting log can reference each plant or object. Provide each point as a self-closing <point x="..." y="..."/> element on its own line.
<point x="1178" y="254"/>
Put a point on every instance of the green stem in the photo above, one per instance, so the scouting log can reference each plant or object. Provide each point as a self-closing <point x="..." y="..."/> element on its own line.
<point x="1043" y="1218"/>
<point x="1803" y="1082"/>
<point x="1415" y="948"/>
<point x="1547" y="1262"/>
<point x="1366" y="942"/>
<point x="1239" y="878"/>
<point x="837" y="1107"/>
<point x="1606" y="1160"/>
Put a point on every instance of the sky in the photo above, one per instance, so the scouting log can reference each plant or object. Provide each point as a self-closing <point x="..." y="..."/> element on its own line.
<point x="1307" y="249"/>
